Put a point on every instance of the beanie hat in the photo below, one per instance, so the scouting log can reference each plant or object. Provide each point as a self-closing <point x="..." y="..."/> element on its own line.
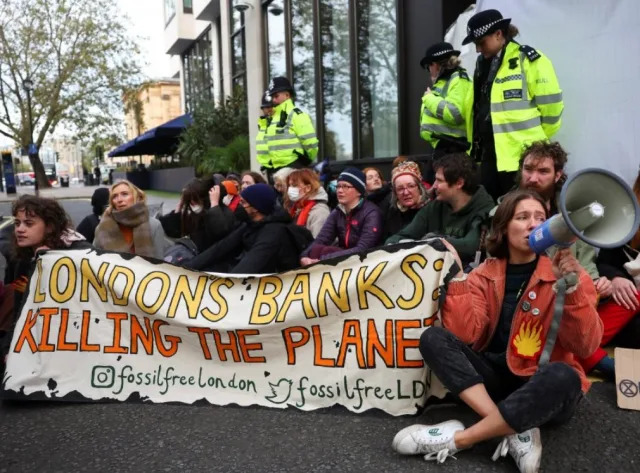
<point x="230" y="187"/>
<point x="409" y="168"/>
<point x="355" y="177"/>
<point x="261" y="197"/>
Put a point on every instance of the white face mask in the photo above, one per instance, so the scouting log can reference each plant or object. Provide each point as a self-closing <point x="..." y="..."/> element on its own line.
<point x="226" y="200"/>
<point x="195" y="208"/>
<point x="293" y="193"/>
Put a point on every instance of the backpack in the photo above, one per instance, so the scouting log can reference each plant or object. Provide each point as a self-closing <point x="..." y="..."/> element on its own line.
<point x="300" y="237"/>
<point x="182" y="250"/>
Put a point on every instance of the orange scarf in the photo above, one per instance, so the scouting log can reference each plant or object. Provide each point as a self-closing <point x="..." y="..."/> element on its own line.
<point x="304" y="209"/>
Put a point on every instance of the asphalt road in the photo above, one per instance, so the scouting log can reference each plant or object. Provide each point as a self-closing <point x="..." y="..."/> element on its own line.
<point x="142" y="437"/>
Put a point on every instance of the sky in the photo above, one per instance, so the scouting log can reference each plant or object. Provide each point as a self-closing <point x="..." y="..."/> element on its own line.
<point x="147" y="21"/>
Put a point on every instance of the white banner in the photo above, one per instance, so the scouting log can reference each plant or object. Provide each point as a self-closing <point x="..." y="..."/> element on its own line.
<point x="106" y="326"/>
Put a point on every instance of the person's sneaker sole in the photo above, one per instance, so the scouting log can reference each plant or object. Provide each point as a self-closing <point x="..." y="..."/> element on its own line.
<point x="404" y="442"/>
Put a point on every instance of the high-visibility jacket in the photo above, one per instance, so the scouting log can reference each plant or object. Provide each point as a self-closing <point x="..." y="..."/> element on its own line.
<point x="446" y="110"/>
<point x="290" y="136"/>
<point x="526" y="103"/>
<point x="261" y="143"/>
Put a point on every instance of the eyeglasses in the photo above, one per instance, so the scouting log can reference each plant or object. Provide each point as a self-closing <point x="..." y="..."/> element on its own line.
<point x="407" y="188"/>
<point x="345" y="187"/>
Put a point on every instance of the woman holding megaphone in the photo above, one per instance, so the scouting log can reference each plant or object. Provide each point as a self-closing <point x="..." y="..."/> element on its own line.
<point x="495" y="325"/>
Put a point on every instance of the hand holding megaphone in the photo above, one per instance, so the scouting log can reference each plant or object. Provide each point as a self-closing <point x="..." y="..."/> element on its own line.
<point x="564" y="264"/>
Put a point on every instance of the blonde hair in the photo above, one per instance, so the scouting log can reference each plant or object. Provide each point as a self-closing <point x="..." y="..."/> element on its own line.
<point x="138" y="194"/>
<point x="452" y="62"/>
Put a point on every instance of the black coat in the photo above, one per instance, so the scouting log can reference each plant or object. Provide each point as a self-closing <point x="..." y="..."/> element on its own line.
<point x="217" y="223"/>
<point x="611" y="262"/>
<point x="381" y="197"/>
<point x="252" y="248"/>
<point x="395" y="220"/>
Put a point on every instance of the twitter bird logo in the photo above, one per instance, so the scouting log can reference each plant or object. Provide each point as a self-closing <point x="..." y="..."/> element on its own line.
<point x="280" y="391"/>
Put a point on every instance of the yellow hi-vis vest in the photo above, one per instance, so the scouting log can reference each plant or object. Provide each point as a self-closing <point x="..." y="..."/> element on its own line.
<point x="526" y="103"/>
<point x="289" y="136"/>
<point x="446" y="110"/>
<point x="262" y="150"/>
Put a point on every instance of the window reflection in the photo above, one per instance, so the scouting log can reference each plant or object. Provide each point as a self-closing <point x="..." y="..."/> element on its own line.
<point x="336" y="78"/>
<point x="378" y="77"/>
<point x="302" y="55"/>
<point x="276" y="39"/>
<point x="198" y="81"/>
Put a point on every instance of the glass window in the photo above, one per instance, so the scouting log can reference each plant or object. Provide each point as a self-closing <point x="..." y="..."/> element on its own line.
<point x="377" y="77"/>
<point x="302" y="55"/>
<point x="336" y="79"/>
<point x="198" y="81"/>
<point x="169" y="11"/>
<point x="187" y="6"/>
<point x="238" y="66"/>
<point x="276" y="39"/>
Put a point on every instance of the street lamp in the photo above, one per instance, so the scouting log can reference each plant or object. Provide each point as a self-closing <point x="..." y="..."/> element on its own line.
<point x="27" y="85"/>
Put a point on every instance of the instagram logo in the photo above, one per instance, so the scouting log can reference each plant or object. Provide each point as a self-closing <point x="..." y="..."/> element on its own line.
<point x="103" y="376"/>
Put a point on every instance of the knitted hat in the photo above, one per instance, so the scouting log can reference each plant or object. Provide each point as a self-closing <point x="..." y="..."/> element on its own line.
<point x="230" y="187"/>
<point x="407" y="168"/>
<point x="355" y="177"/>
<point x="261" y="197"/>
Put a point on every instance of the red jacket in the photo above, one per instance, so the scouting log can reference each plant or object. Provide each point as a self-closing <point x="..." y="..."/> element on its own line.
<point x="472" y="309"/>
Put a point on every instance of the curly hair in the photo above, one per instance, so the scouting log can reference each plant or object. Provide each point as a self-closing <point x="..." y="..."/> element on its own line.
<point x="55" y="219"/>
<point x="496" y="243"/>
<point x="543" y="149"/>
<point x="458" y="166"/>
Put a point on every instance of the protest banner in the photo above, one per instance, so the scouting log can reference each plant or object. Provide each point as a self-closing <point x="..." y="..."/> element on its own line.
<point x="108" y="326"/>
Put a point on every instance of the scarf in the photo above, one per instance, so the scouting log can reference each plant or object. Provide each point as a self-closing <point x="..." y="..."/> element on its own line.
<point x="109" y="237"/>
<point x="303" y="209"/>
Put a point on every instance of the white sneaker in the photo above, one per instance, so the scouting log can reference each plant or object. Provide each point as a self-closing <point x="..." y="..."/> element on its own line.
<point x="435" y="442"/>
<point x="525" y="448"/>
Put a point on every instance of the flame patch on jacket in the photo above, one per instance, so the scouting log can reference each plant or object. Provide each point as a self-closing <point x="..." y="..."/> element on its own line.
<point x="527" y="341"/>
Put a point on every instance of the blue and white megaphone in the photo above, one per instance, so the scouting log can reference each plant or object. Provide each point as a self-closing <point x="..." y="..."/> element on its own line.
<point x="596" y="206"/>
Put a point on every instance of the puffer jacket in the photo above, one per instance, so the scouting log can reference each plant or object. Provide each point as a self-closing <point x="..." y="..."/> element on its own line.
<point x="358" y="230"/>
<point x="472" y="310"/>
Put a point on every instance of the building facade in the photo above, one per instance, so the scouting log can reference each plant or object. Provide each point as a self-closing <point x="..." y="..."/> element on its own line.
<point x="354" y="64"/>
<point x="159" y="102"/>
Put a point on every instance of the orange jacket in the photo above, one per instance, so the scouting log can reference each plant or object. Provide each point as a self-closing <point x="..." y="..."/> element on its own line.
<point x="472" y="309"/>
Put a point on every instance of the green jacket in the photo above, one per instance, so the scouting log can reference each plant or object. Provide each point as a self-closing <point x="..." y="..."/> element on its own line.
<point x="461" y="228"/>
<point x="289" y="136"/>
<point x="526" y="103"/>
<point x="446" y="110"/>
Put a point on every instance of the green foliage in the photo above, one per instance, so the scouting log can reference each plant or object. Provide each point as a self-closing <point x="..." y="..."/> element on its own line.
<point x="218" y="137"/>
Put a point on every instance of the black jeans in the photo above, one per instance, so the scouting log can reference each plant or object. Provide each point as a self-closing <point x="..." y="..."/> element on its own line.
<point x="551" y="394"/>
<point x="496" y="183"/>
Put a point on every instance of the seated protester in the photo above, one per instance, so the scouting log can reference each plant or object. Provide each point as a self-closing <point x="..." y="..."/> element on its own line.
<point x="250" y="178"/>
<point x="356" y="222"/>
<point x="307" y="200"/>
<point x="541" y="169"/>
<point x="458" y="212"/>
<point x="232" y="197"/>
<point x="623" y="308"/>
<point x="39" y="224"/>
<point x="125" y="225"/>
<point x="408" y="196"/>
<point x="99" y="202"/>
<point x="262" y="245"/>
<point x="197" y="216"/>
<point x="378" y="190"/>
<point x="495" y="322"/>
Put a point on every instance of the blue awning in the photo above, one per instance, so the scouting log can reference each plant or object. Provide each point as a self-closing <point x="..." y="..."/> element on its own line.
<point x="161" y="140"/>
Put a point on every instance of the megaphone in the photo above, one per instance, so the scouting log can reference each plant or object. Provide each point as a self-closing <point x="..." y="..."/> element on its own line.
<point x="596" y="206"/>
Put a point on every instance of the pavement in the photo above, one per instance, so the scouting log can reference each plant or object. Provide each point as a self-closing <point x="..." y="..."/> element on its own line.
<point x="39" y="436"/>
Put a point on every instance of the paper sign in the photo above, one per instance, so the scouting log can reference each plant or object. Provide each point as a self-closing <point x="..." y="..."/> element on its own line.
<point x="628" y="378"/>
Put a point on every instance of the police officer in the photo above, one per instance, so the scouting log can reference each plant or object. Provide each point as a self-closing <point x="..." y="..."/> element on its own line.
<point x="517" y="99"/>
<point x="262" y="149"/>
<point x="291" y="138"/>
<point x="446" y="107"/>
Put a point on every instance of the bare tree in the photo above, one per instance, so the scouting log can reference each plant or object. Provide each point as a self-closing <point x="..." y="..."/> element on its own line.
<point x="78" y="55"/>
